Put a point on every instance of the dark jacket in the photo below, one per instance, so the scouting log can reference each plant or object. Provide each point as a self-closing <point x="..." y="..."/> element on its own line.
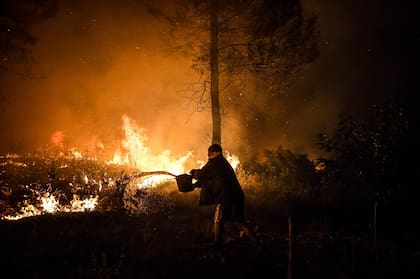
<point x="218" y="183"/>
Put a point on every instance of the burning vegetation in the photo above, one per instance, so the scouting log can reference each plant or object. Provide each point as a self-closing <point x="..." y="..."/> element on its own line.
<point x="56" y="180"/>
<point x="59" y="180"/>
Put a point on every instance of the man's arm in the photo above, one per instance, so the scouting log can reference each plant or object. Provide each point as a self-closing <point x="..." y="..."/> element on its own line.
<point x="195" y="173"/>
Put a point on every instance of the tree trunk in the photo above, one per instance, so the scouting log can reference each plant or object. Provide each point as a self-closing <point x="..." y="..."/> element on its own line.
<point x="375" y="236"/>
<point x="292" y="244"/>
<point x="214" y="75"/>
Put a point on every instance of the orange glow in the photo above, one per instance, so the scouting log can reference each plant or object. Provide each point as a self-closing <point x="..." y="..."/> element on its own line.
<point x="133" y="152"/>
<point x="57" y="138"/>
<point x="50" y="204"/>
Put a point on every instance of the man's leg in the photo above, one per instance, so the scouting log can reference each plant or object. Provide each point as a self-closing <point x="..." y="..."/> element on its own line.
<point x="218" y="224"/>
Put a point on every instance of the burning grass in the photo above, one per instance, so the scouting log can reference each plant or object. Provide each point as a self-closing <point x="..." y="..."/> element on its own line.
<point x="42" y="183"/>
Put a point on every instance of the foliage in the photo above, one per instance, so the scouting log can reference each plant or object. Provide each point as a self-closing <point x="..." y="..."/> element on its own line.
<point x="372" y="160"/>
<point x="264" y="38"/>
<point x="282" y="172"/>
<point x="238" y="47"/>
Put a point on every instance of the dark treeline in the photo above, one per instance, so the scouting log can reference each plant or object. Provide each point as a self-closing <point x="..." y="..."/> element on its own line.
<point x="368" y="169"/>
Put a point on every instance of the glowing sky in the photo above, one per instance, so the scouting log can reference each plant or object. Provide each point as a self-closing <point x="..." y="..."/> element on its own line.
<point x="97" y="60"/>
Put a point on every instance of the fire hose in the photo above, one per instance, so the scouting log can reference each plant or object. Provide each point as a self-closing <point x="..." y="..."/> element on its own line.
<point x="183" y="181"/>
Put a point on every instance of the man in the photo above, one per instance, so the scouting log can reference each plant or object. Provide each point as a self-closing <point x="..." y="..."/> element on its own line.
<point x="220" y="186"/>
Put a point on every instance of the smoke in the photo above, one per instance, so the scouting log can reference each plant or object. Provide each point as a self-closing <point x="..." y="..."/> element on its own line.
<point x="367" y="51"/>
<point x="98" y="60"/>
<point x="94" y="63"/>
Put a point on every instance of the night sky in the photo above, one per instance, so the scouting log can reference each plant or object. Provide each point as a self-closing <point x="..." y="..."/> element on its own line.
<point x="97" y="60"/>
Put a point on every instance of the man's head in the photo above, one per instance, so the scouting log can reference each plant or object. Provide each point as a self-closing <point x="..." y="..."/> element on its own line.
<point x="214" y="150"/>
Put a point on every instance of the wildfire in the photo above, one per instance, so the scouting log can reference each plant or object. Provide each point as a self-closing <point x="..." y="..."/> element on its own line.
<point x="76" y="154"/>
<point x="233" y="160"/>
<point x="49" y="204"/>
<point x="131" y="152"/>
<point x="57" y="138"/>
<point x="87" y="204"/>
<point x="136" y="154"/>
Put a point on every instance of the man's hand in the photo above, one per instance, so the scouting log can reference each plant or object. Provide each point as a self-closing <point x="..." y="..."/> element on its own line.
<point x="194" y="173"/>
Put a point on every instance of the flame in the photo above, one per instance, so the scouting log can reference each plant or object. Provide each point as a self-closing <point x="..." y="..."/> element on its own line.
<point x="233" y="160"/>
<point x="87" y="204"/>
<point x="16" y="164"/>
<point x="136" y="154"/>
<point x="50" y="204"/>
<point x="27" y="210"/>
<point x="57" y="138"/>
<point x="76" y="154"/>
<point x="132" y="152"/>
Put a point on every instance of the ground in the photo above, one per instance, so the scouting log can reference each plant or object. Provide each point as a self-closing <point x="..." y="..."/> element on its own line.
<point x="176" y="245"/>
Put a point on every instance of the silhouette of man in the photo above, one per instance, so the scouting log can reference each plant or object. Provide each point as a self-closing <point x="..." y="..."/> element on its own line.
<point x="220" y="186"/>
